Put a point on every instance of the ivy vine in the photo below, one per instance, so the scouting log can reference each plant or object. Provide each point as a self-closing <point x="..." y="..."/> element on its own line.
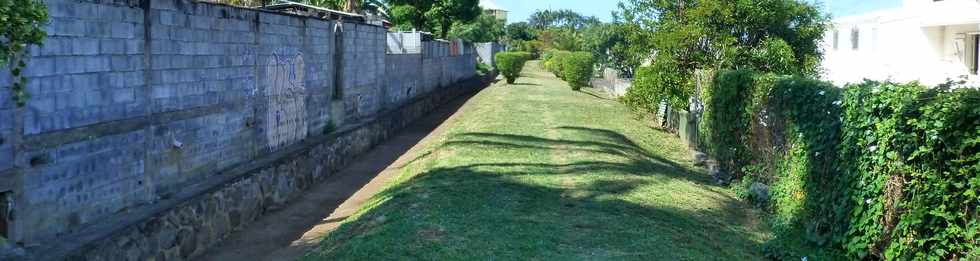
<point x="22" y="22"/>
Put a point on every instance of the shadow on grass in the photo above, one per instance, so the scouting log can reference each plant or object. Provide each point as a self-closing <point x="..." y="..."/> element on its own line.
<point x="597" y="96"/>
<point x="614" y="207"/>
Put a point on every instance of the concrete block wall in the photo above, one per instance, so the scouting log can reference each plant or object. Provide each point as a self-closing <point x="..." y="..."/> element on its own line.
<point x="203" y="60"/>
<point x="70" y="169"/>
<point x="7" y="132"/>
<point x="611" y="83"/>
<point x="403" y="82"/>
<point x="486" y="52"/>
<point x="364" y="68"/>
<point x="431" y="67"/>
<point x="404" y="43"/>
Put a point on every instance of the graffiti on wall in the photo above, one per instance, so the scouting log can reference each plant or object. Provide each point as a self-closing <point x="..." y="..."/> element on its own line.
<point x="286" y="92"/>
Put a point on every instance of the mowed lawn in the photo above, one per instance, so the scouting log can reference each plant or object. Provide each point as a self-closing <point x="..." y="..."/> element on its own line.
<point x="536" y="171"/>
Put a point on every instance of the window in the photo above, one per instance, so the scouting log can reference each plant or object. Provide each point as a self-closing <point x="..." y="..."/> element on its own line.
<point x="855" y="38"/>
<point x="836" y="39"/>
<point x="976" y="55"/>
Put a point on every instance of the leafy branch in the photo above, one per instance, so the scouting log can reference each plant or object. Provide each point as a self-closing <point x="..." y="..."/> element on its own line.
<point x="22" y="22"/>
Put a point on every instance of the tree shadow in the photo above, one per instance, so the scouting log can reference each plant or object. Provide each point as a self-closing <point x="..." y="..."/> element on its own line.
<point x="602" y="209"/>
<point x="590" y="93"/>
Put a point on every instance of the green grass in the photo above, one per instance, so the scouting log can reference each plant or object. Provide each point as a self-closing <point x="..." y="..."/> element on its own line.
<point x="534" y="171"/>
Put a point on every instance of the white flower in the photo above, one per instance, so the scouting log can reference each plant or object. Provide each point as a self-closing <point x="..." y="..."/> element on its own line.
<point x="822" y="93"/>
<point x="867" y="201"/>
<point x="818" y="154"/>
<point x="873" y="148"/>
<point x="838" y="103"/>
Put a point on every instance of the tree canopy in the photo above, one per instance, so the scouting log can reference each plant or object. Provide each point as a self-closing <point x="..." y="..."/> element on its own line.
<point x="485" y="28"/>
<point x="436" y="16"/>
<point x="561" y="18"/>
<point x="780" y="36"/>
<point x="521" y="31"/>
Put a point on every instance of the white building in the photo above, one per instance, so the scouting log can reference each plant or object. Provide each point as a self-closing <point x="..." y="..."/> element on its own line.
<point x="490" y="7"/>
<point x="924" y="40"/>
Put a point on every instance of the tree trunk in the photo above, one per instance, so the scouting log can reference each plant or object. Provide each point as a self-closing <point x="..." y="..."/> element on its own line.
<point x="351" y="6"/>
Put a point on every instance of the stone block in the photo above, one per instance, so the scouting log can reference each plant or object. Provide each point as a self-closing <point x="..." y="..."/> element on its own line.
<point x="112" y="46"/>
<point x="85" y="46"/>
<point x="122" y="30"/>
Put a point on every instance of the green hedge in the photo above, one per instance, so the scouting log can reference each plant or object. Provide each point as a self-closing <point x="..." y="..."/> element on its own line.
<point x="877" y="170"/>
<point x="807" y="188"/>
<point x="728" y="118"/>
<point x="577" y="69"/>
<point x="510" y="64"/>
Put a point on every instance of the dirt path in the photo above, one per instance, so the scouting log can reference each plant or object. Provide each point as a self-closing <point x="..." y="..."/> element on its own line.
<point x="288" y="233"/>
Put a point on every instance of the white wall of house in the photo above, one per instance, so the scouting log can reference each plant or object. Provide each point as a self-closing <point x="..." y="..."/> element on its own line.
<point x="924" y="40"/>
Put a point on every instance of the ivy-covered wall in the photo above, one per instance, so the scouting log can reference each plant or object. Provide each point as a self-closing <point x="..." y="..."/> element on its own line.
<point x="876" y="170"/>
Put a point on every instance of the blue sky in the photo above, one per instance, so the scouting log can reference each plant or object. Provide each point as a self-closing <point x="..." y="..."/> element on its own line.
<point x="520" y="10"/>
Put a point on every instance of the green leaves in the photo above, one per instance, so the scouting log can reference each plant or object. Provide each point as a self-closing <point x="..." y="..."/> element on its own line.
<point x="435" y="16"/>
<point x="777" y="36"/>
<point x="923" y="137"/>
<point x="485" y="28"/>
<point x="578" y="68"/>
<point x="22" y="22"/>
<point x="510" y="64"/>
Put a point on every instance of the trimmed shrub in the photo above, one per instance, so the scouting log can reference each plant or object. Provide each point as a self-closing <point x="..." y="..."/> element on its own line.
<point x="577" y="69"/>
<point x="526" y="56"/>
<point x="510" y="64"/>
<point x="555" y="62"/>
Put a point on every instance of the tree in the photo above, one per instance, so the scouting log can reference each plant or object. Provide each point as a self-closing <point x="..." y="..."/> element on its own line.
<point x="560" y="18"/>
<point x="521" y="31"/>
<point x="485" y="28"/>
<point x="733" y="34"/>
<point x="434" y="15"/>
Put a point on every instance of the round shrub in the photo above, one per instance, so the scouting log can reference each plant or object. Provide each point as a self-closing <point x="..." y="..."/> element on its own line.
<point x="510" y="64"/>
<point x="577" y="69"/>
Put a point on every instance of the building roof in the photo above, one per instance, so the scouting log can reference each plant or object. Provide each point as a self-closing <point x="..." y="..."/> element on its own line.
<point x="490" y="5"/>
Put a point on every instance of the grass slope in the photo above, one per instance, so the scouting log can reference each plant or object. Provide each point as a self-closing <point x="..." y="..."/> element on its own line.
<point x="535" y="171"/>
